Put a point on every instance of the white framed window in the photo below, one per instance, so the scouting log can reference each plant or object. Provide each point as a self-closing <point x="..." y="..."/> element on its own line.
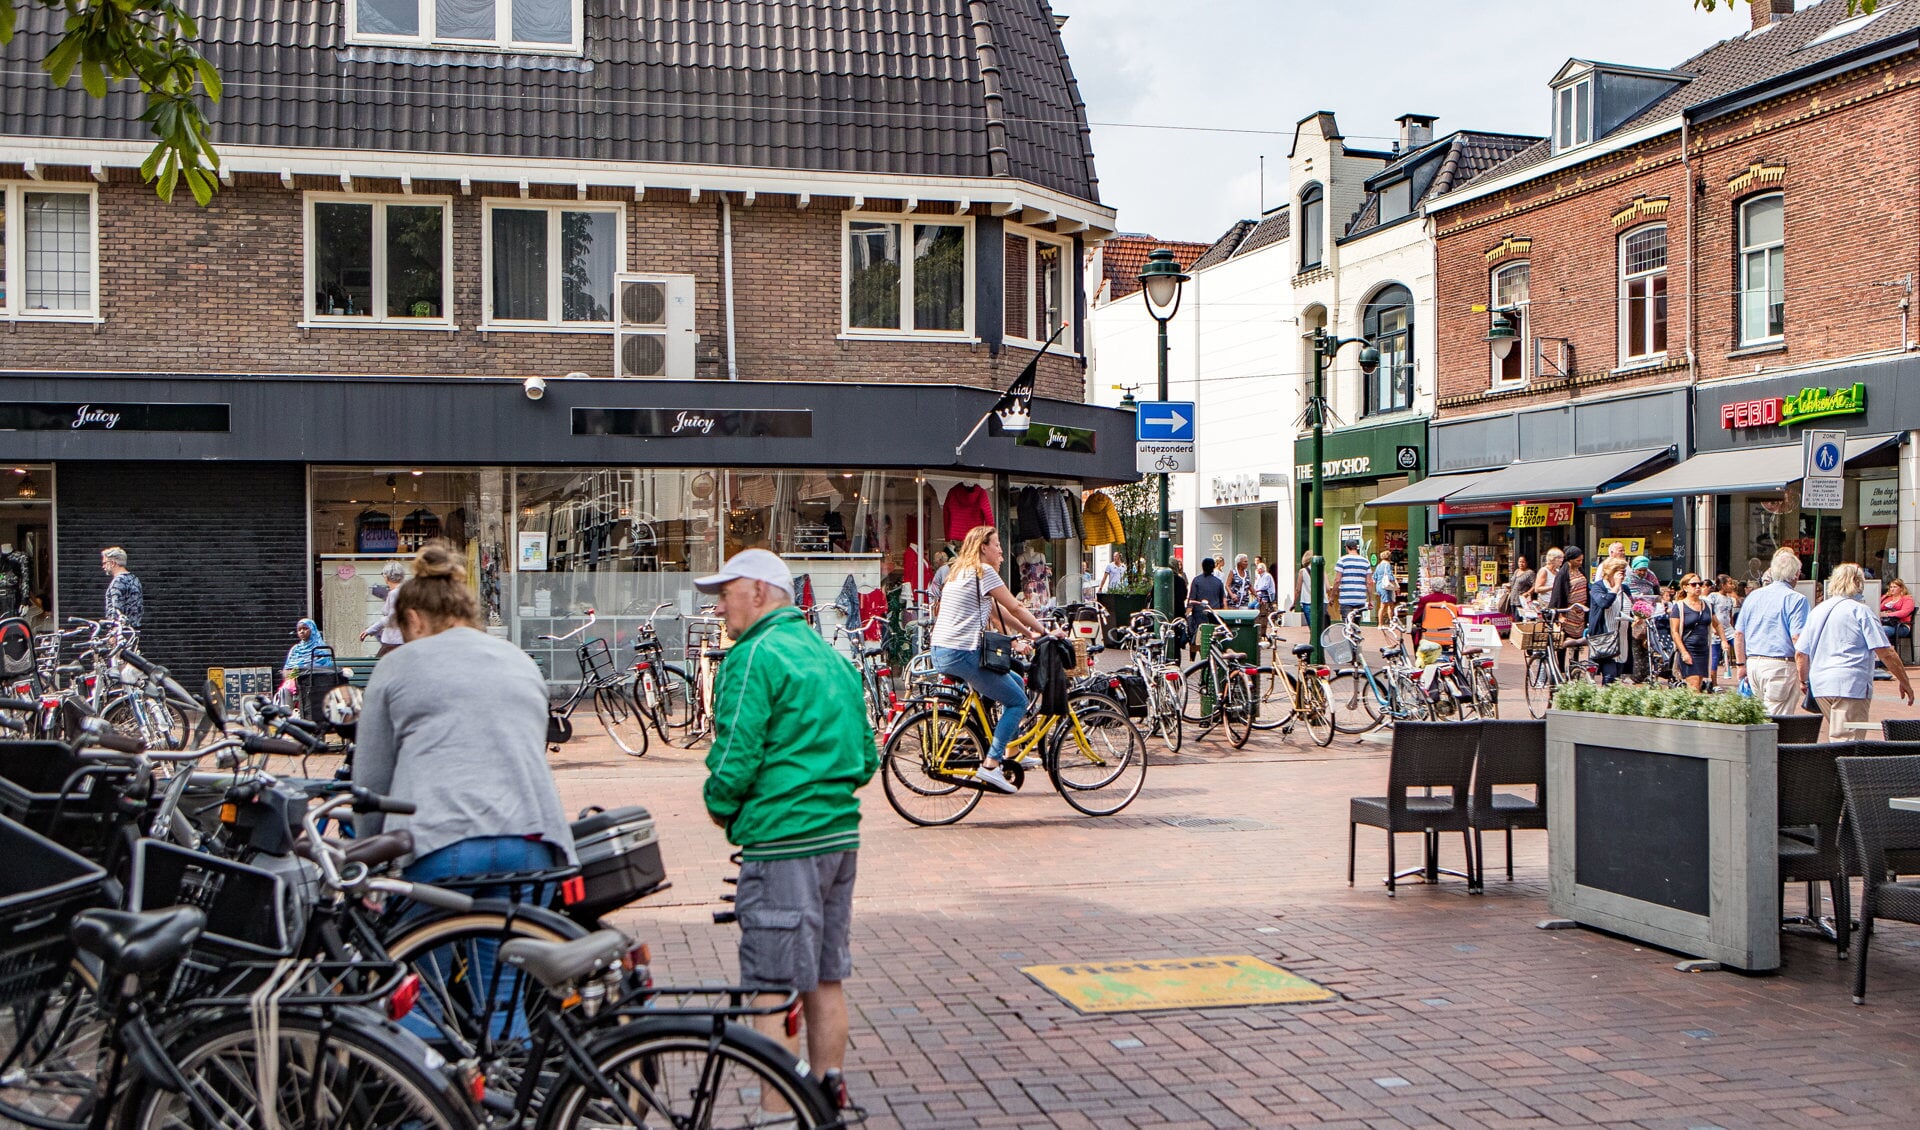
<point x="1396" y="201"/>
<point x="1313" y="226"/>
<point x="551" y="265"/>
<point x="49" y="252"/>
<point x="1573" y="115"/>
<point x="1643" y="293"/>
<point x="527" y="26"/>
<point x="1763" y="295"/>
<point x="1509" y="293"/>
<point x="906" y="275"/>
<point x="1039" y="291"/>
<point x="379" y="260"/>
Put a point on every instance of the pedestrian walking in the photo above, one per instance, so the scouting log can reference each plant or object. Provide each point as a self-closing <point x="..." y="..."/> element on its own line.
<point x="1725" y="604"/>
<point x="1764" y="635"/>
<point x="1836" y="649"/>
<point x="1607" y="616"/>
<point x="1691" y="622"/>
<point x="1206" y="591"/>
<point x="126" y="601"/>
<point x="1240" y="584"/>
<point x="1265" y="593"/>
<point x="1386" y="588"/>
<point x="1115" y="575"/>
<point x="1520" y="589"/>
<point x="1352" y="582"/>
<point x="1303" y="594"/>
<point x="387" y="628"/>
<point x="1549" y="575"/>
<point x="1569" y="595"/>
<point x="974" y="589"/>
<point x="791" y="746"/>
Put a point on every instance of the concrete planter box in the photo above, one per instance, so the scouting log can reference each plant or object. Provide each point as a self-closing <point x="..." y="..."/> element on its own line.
<point x="1666" y="831"/>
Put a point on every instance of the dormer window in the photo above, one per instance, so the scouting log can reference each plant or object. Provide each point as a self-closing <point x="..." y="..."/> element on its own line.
<point x="1573" y="115"/>
<point x="544" y="26"/>
<point x="1396" y="201"/>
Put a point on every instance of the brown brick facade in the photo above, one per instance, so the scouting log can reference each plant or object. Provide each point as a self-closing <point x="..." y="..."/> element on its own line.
<point x="220" y="290"/>
<point x="1851" y="154"/>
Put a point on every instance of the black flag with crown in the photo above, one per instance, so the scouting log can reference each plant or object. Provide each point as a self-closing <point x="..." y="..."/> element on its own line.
<point x="1018" y="399"/>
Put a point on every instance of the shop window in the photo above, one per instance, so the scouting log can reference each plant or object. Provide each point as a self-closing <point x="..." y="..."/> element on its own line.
<point x="913" y="278"/>
<point x="551" y="266"/>
<point x="1388" y="324"/>
<point x="544" y="26"/>
<point x="378" y="260"/>
<point x="1510" y="290"/>
<point x="367" y="517"/>
<point x="1643" y="292"/>
<point x="1037" y="293"/>
<point x="1763" y="297"/>
<point x="48" y="253"/>
<point x="26" y="546"/>
<point x="1313" y="226"/>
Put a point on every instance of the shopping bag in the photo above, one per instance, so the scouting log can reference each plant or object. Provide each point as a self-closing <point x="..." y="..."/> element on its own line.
<point x="1745" y="688"/>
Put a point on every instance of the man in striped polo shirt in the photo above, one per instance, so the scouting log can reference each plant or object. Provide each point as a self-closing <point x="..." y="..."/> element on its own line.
<point x="1353" y="580"/>
<point x="791" y="744"/>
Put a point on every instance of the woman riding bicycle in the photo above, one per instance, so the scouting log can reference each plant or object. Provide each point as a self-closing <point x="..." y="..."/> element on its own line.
<point x="973" y="590"/>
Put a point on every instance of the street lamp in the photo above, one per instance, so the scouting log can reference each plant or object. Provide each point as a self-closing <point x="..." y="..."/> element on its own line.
<point x="1325" y="346"/>
<point x="1160" y="285"/>
<point x="1501" y="335"/>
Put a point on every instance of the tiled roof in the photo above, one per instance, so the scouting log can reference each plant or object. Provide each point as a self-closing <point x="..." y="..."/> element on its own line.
<point x="1460" y="156"/>
<point x="1750" y="59"/>
<point x="1222" y="249"/>
<point x="1272" y="228"/>
<point x="848" y="86"/>
<point x="1123" y="256"/>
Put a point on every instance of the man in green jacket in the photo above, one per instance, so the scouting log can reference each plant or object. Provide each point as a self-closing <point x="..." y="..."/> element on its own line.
<point x="791" y="744"/>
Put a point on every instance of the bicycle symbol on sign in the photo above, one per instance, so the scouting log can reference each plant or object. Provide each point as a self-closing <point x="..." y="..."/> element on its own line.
<point x="1167" y="463"/>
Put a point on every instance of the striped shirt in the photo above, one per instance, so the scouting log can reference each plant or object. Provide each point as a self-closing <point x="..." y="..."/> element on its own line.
<point x="1353" y="571"/>
<point x="964" y="606"/>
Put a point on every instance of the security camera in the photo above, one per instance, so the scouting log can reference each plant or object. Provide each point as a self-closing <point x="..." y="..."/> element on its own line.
<point x="536" y="387"/>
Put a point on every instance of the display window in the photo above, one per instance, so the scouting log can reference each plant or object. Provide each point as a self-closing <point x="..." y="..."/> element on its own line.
<point x="26" y="545"/>
<point x="1644" y="532"/>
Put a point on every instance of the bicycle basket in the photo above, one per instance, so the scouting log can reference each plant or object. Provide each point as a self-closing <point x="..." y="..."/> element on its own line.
<point x="42" y="887"/>
<point x="1334" y="645"/>
<point x="596" y="662"/>
<point x="249" y="910"/>
<point x="53" y="792"/>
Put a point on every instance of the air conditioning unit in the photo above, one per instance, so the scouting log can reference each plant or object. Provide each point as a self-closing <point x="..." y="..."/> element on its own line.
<point x="653" y="326"/>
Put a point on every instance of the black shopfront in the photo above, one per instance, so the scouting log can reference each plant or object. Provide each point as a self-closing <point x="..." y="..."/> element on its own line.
<point x="246" y="503"/>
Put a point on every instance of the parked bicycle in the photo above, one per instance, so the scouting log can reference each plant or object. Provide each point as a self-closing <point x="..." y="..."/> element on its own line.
<point x="603" y="682"/>
<point x="1552" y="658"/>
<point x="1365" y="698"/>
<point x="1156" y="680"/>
<point x="1219" y="688"/>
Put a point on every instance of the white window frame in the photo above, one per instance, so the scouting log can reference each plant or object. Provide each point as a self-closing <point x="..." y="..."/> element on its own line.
<point x="502" y="40"/>
<point x="1404" y="185"/>
<point x="1034" y="238"/>
<point x="1522" y="332"/>
<point x="379" y="318"/>
<point x="553" y="208"/>
<point x="13" y="195"/>
<point x="1627" y="356"/>
<point x="969" y="253"/>
<point x="1315" y="247"/>
<point x="1572" y="130"/>
<point x="1748" y="251"/>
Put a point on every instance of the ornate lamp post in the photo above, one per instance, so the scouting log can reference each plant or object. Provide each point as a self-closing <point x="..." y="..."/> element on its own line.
<point x="1161" y="281"/>
<point x="1325" y="346"/>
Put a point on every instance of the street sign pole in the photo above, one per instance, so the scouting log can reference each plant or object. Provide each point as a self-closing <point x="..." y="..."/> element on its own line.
<point x="1823" y="480"/>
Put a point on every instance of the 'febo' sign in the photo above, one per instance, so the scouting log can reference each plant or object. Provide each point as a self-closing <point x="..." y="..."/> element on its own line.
<point x="1807" y="404"/>
<point x="1533" y="515"/>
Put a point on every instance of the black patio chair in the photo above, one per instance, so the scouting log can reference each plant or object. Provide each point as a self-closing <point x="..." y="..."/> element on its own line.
<point x="1809" y="834"/>
<point x="1877" y="830"/>
<point x="1512" y="752"/>
<point x="1901" y="729"/>
<point x="1798" y="729"/>
<point x="1430" y="756"/>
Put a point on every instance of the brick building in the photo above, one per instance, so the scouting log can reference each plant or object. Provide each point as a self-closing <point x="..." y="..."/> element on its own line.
<point x="811" y="240"/>
<point x="1687" y="240"/>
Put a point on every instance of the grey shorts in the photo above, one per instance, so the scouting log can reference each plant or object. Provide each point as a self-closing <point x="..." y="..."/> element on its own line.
<point x="795" y="916"/>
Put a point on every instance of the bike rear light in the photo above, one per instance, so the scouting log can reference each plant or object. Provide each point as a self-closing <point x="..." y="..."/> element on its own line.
<point x="1324" y="672"/>
<point x="229" y="812"/>
<point x="883" y="672"/>
<point x="1173" y="676"/>
<point x="476" y="1083"/>
<point x="573" y="890"/>
<point x="1113" y="684"/>
<point x="643" y="666"/>
<point x="404" y="998"/>
<point x="793" y="1021"/>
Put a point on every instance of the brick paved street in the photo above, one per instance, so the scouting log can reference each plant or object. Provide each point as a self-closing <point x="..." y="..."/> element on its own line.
<point x="1452" y="1010"/>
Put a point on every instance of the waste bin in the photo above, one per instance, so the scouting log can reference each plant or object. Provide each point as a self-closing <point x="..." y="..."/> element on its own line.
<point x="1245" y="625"/>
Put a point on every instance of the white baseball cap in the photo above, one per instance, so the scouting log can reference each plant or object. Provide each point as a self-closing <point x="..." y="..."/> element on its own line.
<point x="750" y="565"/>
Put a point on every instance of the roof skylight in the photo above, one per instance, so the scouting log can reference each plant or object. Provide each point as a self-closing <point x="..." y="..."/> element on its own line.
<point x="1848" y="27"/>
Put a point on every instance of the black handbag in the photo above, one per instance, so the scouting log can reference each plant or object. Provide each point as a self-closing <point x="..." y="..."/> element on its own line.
<point x="1604" y="645"/>
<point x="996" y="648"/>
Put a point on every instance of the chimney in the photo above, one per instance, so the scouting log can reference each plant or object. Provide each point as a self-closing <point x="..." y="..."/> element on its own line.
<point x="1417" y="129"/>
<point x="1768" y="11"/>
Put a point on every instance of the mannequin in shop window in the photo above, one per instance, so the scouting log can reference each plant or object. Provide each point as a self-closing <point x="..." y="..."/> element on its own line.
<point x="16" y="587"/>
<point x="1036" y="577"/>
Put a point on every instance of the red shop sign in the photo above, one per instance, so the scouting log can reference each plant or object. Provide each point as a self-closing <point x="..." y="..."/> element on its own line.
<point x="1761" y="413"/>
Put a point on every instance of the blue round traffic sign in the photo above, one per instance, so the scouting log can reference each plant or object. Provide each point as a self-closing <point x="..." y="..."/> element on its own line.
<point x="1826" y="456"/>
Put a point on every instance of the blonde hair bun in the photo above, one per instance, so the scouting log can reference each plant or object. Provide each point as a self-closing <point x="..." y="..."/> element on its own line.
<point x="439" y="561"/>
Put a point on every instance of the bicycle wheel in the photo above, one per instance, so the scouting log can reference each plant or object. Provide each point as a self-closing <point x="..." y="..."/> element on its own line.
<point x="55" y="1052"/>
<point x="341" y="1070"/>
<point x="1238" y="708"/>
<point x="154" y="722"/>
<point x="1278" y="702"/>
<point x="1192" y="682"/>
<point x="1097" y="760"/>
<point x="673" y="1071"/>
<point x="625" y="725"/>
<point x="678" y="701"/>
<point x="1354" y="701"/>
<point x="1318" y="710"/>
<point x="1486" y="698"/>
<point x="1537" y="685"/>
<point x="919" y="792"/>
<point x="1166" y="712"/>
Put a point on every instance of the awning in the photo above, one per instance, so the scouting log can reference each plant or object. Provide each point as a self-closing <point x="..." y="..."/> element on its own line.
<point x="1576" y="476"/>
<point x="1429" y="490"/>
<point x="1743" y="470"/>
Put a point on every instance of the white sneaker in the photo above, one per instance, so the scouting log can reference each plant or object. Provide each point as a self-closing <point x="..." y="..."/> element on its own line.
<point x="993" y="776"/>
<point x="1034" y="762"/>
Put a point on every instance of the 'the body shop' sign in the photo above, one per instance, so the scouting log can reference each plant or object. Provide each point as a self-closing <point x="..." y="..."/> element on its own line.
<point x="1807" y="404"/>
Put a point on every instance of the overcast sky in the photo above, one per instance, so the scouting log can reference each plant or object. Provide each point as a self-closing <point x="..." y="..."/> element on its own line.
<point x="1265" y="64"/>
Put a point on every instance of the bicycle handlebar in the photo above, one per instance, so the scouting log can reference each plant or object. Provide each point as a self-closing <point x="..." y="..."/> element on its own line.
<point x="590" y="621"/>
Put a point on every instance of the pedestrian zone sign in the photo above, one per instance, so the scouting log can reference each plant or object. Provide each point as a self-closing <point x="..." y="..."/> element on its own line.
<point x="1823" y="486"/>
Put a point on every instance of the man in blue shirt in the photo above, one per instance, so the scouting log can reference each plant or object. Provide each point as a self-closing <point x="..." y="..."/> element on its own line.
<point x="1765" y="634"/>
<point x="1353" y="580"/>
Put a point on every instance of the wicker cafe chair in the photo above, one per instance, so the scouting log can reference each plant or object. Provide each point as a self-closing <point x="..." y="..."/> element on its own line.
<point x="1809" y="833"/>
<point x="1430" y="756"/>
<point x="1877" y="830"/>
<point x="1798" y="729"/>
<point x="1901" y="729"/>
<point x="1511" y="752"/>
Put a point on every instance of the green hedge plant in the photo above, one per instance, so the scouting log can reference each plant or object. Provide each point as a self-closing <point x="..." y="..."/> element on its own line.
<point x="1677" y="703"/>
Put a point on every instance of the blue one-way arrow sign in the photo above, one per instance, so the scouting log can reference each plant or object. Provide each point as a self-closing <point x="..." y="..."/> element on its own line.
<point x="1164" y="420"/>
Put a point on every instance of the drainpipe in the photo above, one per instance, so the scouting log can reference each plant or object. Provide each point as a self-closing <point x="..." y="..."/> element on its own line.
<point x="726" y="279"/>
<point x="1686" y="166"/>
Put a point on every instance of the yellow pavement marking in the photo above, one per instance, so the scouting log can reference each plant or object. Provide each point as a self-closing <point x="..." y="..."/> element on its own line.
<point x="1174" y="982"/>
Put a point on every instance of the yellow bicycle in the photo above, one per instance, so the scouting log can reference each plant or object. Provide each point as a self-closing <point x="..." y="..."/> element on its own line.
<point x="1094" y="756"/>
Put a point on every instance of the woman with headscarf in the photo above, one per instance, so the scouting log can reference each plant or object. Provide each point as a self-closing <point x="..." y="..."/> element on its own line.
<point x="309" y="652"/>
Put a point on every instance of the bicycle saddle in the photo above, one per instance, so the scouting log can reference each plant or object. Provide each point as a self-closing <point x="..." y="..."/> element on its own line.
<point x="1392" y="652"/>
<point x="1231" y="655"/>
<point x="138" y="941"/>
<point x="873" y="649"/>
<point x="1470" y="652"/>
<point x="372" y="850"/>
<point x="554" y="964"/>
<point x="715" y="653"/>
<point x="1302" y="650"/>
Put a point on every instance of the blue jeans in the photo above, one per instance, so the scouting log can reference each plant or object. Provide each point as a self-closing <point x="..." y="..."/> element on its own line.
<point x="481" y="855"/>
<point x="1006" y="688"/>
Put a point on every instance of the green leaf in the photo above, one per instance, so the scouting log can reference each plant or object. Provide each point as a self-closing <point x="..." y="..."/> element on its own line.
<point x="152" y="164"/>
<point x="93" y="78"/>
<point x="61" y="60"/>
<point x="169" y="179"/>
<point x="209" y="78"/>
<point x="201" y="184"/>
<point x="6" y="21"/>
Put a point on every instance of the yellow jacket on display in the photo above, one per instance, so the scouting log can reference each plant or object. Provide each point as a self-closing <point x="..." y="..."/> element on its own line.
<point x="1101" y="520"/>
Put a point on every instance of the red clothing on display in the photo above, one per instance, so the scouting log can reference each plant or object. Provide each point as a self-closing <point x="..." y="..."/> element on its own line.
<point x="967" y="506"/>
<point x="873" y="606"/>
